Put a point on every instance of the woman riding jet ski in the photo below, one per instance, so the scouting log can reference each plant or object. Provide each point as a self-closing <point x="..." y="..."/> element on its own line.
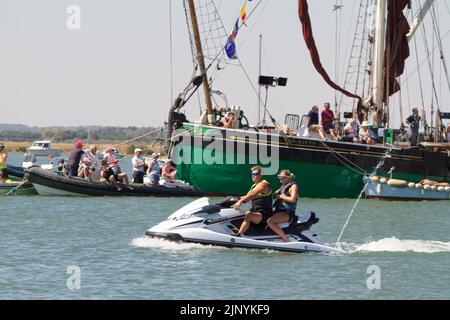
<point x="216" y="224"/>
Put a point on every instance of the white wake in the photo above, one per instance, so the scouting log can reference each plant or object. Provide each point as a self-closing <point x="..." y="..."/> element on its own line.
<point x="156" y="243"/>
<point x="396" y="245"/>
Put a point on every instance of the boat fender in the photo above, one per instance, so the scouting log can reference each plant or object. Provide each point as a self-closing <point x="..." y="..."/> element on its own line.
<point x="397" y="183"/>
<point x="375" y="179"/>
<point x="433" y="188"/>
<point x="427" y="187"/>
<point x="412" y="185"/>
<point x="419" y="186"/>
<point x="441" y="189"/>
<point x="383" y="180"/>
<point x="447" y="189"/>
<point x="9" y="181"/>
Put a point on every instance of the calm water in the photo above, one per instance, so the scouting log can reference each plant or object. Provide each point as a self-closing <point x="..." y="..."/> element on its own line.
<point x="40" y="237"/>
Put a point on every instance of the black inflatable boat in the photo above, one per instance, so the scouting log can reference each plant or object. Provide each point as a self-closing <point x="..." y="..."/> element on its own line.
<point x="49" y="182"/>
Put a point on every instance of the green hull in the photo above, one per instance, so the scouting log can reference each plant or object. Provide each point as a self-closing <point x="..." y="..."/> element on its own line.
<point x="314" y="180"/>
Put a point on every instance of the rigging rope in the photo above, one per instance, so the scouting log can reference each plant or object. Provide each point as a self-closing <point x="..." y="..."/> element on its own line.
<point x="379" y="165"/>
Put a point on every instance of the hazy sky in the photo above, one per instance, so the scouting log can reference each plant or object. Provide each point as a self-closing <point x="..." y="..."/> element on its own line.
<point x="115" y="70"/>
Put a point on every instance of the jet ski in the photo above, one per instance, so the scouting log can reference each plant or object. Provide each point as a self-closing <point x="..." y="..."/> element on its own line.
<point x="216" y="224"/>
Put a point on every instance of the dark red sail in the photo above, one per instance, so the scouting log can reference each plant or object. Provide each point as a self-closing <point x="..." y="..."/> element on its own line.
<point x="311" y="44"/>
<point x="397" y="48"/>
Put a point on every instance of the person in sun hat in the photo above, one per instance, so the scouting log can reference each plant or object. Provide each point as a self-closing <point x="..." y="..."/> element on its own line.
<point x="364" y="133"/>
<point x="73" y="163"/>
<point x="138" y="164"/>
<point x="154" y="170"/>
<point x="3" y="165"/>
<point x="120" y="176"/>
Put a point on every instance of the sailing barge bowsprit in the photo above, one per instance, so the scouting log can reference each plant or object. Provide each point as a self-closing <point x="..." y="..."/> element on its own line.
<point x="323" y="168"/>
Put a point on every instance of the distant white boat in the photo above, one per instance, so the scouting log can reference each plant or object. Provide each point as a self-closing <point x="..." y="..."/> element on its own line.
<point x="43" y="149"/>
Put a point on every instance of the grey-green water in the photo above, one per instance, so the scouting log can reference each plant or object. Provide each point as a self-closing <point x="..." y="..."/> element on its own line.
<point x="41" y="238"/>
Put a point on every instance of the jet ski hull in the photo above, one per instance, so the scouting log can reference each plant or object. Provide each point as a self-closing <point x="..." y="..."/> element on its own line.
<point x="242" y="242"/>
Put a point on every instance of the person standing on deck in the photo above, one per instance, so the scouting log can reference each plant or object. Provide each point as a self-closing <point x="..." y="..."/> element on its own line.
<point x="414" y="123"/>
<point x="3" y="165"/>
<point x="73" y="163"/>
<point x="138" y="166"/>
<point x="327" y="116"/>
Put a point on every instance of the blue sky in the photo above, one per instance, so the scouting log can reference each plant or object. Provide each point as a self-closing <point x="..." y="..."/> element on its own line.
<point x="115" y="70"/>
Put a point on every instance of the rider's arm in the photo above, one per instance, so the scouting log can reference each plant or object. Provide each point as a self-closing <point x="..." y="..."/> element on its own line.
<point x="258" y="189"/>
<point x="293" y="194"/>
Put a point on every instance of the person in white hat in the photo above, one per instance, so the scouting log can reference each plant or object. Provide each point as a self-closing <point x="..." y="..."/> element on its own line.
<point x="138" y="163"/>
<point x="364" y="133"/>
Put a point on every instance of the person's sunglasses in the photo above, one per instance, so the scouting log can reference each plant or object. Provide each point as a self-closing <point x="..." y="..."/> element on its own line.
<point x="280" y="177"/>
<point x="255" y="174"/>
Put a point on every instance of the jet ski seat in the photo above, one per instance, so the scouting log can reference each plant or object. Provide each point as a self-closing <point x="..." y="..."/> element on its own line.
<point x="209" y="209"/>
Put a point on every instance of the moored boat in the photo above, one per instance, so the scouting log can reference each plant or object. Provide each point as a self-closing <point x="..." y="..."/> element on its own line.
<point x="10" y="187"/>
<point x="49" y="182"/>
<point x="43" y="149"/>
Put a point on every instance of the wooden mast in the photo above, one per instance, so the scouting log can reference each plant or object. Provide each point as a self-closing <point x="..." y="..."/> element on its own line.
<point x="378" y="69"/>
<point x="201" y="61"/>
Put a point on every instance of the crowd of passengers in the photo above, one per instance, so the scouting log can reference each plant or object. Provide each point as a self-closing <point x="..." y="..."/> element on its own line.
<point x="353" y="132"/>
<point x="85" y="163"/>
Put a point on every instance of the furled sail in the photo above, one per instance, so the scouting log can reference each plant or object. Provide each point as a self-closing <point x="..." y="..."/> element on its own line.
<point x="311" y="44"/>
<point x="397" y="48"/>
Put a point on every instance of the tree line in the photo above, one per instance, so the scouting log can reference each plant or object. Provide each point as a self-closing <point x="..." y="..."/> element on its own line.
<point x="100" y="134"/>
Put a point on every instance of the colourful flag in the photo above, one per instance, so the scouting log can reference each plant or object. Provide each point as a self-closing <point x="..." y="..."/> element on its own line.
<point x="243" y="13"/>
<point x="230" y="46"/>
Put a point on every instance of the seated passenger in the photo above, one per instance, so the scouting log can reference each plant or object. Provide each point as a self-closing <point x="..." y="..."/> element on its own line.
<point x="109" y="154"/>
<point x="351" y="132"/>
<point x="313" y="122"/>
<point x="327" y="121"/>
<point x="107" y="174"/>
<point x="285" y="203"/>
<point x="229" y="121"/>
<point x="260" y="195"/>
<point x="89" y="163"/>
<point x="364" y="133"/>
<point x="169" y="171"/>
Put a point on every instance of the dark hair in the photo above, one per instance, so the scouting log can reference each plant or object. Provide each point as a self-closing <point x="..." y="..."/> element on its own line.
<point x="104" y="162"/>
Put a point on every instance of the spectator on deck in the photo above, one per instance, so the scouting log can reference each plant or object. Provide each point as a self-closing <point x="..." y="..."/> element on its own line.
<point x="3" y="164"/>
<point x="73" y="163"/>
<point x="414" y="124"/>
<point x="312" y="122"/>
<point x="327" y="116"/>
<point x="138" y="166"/>
<point x="351" y="132"/>
<point x="364" y="133"/>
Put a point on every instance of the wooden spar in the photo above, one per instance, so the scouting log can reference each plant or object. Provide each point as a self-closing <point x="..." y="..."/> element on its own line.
<point x="419" y="18"/>
<point x="201" y="61"/>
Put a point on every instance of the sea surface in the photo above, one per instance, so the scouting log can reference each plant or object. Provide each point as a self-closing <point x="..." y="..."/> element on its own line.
<point x="93" y="248"/>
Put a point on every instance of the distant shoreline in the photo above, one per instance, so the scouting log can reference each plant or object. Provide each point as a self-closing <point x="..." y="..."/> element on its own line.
<point x="13" y="146"/>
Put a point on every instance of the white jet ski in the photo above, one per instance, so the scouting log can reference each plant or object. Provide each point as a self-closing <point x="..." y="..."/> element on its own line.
<point x="215" y="224"/>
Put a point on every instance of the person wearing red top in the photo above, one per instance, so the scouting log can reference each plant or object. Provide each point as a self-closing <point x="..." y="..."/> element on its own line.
<point x="327" y="120"/>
